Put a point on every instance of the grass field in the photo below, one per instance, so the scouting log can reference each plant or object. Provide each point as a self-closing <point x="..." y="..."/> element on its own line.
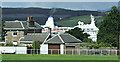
<point x="57" y="57"/>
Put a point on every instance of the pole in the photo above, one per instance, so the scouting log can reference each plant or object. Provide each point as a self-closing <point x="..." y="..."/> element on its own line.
<point x="34" y="39"/>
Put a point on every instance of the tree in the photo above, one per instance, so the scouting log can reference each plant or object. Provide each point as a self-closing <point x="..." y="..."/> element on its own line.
<point x="88" y="40"/>
<point x="35" y="45"/>
<point x="108" y="30"/>
<point x="78" y="33"/>
<point x="3" y="33"/>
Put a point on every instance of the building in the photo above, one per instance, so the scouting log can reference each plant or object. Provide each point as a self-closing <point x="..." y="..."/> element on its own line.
<point x="17" y="29"/>
<point x="91" y="28"/>
<point x="58" y="43"/>
<point x="31" y="37"/>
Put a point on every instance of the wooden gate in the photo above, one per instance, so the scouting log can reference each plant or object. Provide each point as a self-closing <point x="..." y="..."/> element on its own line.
<point x="53" y="49"/>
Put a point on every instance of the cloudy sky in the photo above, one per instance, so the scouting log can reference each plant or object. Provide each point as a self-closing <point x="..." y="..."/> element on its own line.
<point x="60" y="0"/>
<point x="67" y="4"/>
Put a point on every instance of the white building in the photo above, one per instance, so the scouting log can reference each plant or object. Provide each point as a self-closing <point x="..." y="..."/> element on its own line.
<point x="49" y="23"/>
<point x="91" y="29"/>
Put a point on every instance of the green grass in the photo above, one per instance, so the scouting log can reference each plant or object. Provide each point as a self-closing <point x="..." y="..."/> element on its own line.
<point x="74" y="20"/>
<point x="57" y="57"/>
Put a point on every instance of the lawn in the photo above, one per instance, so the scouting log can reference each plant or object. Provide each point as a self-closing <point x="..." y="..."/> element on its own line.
<point x="57" y="57"/>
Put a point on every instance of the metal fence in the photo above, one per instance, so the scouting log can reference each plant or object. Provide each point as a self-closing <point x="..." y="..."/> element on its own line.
<point x="75" y="51"/>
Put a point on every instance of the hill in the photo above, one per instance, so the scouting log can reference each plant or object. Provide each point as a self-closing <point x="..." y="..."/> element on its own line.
<point x="41" y="14"/>
<point x="74" y="20"/>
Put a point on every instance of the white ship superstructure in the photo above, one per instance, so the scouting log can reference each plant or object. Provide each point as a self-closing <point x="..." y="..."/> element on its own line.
<point x="91" y="28"/>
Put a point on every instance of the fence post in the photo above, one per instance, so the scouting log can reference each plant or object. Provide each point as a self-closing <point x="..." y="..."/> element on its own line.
<point x="101" y="50"/>
<point x="116" y="52"/>
<point x="72" y="51"/>
<point x="58" y="51"/>
<point x="51" y="51"/>
<point x="31" y="51"/>
<point x="65" y="51"/>
<point x="79" y="51"/>
<point x="37" y="51"/>
<point x="108" y="52"/>
<point x="86" y="52"/>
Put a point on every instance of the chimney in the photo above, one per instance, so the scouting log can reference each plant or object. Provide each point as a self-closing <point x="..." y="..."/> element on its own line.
<point x="30" y="21"/>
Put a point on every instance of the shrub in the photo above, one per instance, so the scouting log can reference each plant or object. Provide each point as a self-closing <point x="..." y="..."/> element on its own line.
<point x="2" y="44"/>
<point x="9" y="44"/>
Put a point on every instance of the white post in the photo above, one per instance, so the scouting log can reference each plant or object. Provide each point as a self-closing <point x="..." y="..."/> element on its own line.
<point x="58" y="51"/>
<point x="72" y="51"/>
<point x="116" y="52"/>
<point x="65" y="51"/>
<point x="108" y="52"/>
<point x="101" y="51"/>
<point x="86" y="52"/>
<point x="37" y="51"/>
<point x="51" y="51"/>
<point x="79" y="51"/>
<point x="61" y="49"/>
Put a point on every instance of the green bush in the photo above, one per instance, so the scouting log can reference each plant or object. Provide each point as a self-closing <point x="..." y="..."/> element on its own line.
<point x="9" y="44"/>
<point x="1" y="44"/>
<point x="96" y="46"/>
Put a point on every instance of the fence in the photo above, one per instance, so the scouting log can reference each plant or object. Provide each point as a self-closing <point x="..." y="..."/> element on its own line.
<point x="75" y="51"/>
<point x="0" y="57"/>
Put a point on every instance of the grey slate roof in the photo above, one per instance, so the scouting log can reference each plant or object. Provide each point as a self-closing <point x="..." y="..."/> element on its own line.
<point x="12" y="24"/>
<point x="35" y="37"/>
<point x="25" y="25"/>
<point x="20" y="25"/>
<point x="67" y="38"/>
<point x="55" y="39"/>
<point x="63" y="38"/>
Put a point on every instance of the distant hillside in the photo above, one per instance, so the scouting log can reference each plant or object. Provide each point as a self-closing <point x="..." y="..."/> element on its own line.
<point x="74" y="20"/>
<point x="40" y="15"/>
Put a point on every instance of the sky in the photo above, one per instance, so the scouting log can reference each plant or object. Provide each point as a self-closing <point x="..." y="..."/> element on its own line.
<point x="60" y="0"/>
<point x="66" y="4"/>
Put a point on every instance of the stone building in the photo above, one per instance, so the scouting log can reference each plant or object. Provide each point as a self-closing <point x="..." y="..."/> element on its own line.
<point x="17" y="29"/>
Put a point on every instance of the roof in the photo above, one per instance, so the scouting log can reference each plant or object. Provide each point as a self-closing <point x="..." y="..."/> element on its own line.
<point x="63" y="38"/>
<point x="12" y="25"/>
<point x="67" y="38"/>
<point x="34" y="37"/>
<point x="55" y="39"/>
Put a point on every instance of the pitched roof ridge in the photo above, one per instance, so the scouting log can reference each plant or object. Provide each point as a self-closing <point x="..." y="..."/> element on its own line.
<point x="46" y="39"/>
<point x="51" y="38"/>
<point x="61" y="38"/>
<point x="22" y="24"/>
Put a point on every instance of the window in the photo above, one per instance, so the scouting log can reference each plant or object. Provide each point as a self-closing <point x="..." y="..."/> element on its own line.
<point x="15" y="33"/>
<point x="91" y="28"/>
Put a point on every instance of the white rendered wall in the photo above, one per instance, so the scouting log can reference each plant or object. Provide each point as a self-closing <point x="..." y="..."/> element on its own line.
<point x="61" y="49"/>
<point x="17" y="50"/>
<point x="21" y="50"/>
<point x="44" y="49"/>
